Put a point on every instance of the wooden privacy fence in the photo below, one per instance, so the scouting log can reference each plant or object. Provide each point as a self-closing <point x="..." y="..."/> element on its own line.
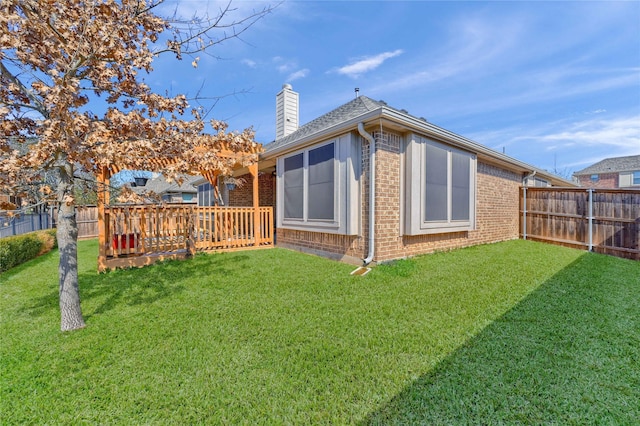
<point x="601" y="220"/>
<point x="145" y="230"/>
<point x="86" y="219"/>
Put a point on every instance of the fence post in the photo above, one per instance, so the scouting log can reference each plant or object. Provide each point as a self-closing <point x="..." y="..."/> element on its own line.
<point x="524" y="213"/>
<point x="590" y="218"/>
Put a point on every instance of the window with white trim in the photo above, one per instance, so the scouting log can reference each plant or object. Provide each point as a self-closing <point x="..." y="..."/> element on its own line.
<point x="206" y="195"/>
<point x="318" y="187"/>
<point x="294" y="187"/>
<point x="309" y="184"/>
<point x="440" y="188"/>
<point x="636" y="178"/>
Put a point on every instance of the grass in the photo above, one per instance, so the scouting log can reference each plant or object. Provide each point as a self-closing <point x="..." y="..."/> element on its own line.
<point x="515" y="332"/>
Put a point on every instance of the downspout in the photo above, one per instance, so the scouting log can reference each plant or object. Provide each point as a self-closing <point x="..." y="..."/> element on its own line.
<point x="524" y="204"/>
<point x="372" y="191"/>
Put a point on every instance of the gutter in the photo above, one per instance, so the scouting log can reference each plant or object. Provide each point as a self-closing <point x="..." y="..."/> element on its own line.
<point x="426" y="128"/>
<point x="372" y="191"/>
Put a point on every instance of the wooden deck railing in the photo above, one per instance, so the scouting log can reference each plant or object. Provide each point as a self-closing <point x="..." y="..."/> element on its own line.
<point x="148" y="230"/>
<point x="231" y="227"/>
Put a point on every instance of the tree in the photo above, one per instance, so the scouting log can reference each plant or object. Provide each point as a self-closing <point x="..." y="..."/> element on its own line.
<point x="59" y="57"/>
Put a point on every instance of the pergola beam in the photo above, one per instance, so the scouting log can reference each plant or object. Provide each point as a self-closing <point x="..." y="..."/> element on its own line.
<point x="239" y="158"/>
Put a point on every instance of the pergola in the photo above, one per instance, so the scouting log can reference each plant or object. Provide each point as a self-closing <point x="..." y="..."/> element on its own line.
<point x="136" y="235"/>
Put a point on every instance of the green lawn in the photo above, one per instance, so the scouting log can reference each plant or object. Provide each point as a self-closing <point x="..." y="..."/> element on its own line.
<point x="515" y="332"/>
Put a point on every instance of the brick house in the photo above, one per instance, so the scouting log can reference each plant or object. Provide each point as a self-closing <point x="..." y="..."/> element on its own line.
<point x="421" y="189"/>
<point x="616" y="172"/>
<point x="169" y="192"/>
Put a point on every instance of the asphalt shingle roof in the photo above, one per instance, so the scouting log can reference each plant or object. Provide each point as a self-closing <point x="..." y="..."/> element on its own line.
<point x="612" y="165"/>
<point x="160" y="185"/>
<point x="362" y="106"/>
<point x="357" y="107"/>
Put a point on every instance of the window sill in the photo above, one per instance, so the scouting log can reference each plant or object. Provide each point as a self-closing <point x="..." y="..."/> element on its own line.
<point x="440" y="229"/>
<point x="325" y="228"/>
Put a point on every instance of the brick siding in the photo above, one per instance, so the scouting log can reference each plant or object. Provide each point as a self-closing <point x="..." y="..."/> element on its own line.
<point x="497" y="212"/>
<point x="605" y="180"/>
<point x="242" y="196"/>
<point x="497" y="217"/>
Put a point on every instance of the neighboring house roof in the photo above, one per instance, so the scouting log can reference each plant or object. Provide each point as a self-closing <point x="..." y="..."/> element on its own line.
<point x="369" y="112"/>
<point x="160" y="186"/>
<point x="612" y="165"/>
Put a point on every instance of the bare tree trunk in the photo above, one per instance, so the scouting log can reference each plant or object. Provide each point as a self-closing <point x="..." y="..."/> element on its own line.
<point x="67" y="233"/>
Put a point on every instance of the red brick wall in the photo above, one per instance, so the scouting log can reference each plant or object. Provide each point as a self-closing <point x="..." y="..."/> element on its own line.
<point x="605" y="180"/>
<point x="339" y="246"/>
<point x="242" y="196"/>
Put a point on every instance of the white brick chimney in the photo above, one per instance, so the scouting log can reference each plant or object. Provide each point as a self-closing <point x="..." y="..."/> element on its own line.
<point x="287" y="111"/>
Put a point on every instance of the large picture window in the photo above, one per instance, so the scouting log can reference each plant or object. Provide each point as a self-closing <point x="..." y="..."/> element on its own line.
<point x="440" y="188"/>
<point x="321" y="183"/>
<point x="309" y="184"/>
<point x="294" y="187"/>
<point x="318" y="187"/>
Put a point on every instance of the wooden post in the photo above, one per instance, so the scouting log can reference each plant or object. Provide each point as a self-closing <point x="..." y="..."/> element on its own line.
<point x="103" y="198"/>
<point x="191" y="230"/>
<point x="253" y="170"/>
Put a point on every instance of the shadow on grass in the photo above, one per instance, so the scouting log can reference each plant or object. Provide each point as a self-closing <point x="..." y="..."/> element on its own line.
<point x="567" y="354"/>
<point x="138" y="286"/>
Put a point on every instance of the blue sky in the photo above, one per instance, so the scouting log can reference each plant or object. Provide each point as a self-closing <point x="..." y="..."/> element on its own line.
<point x="554" y="84"/>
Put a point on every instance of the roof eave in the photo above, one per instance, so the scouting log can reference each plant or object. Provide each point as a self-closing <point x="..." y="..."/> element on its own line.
<point x="341" y="128"/>
<point x="484" y="153"/>
<point x="408" y="122"/>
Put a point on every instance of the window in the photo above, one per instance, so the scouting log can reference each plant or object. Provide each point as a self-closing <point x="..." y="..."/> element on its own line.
<point x="318" y="187"/>
<point x="321" y="183"/>
<point x="206" y="196"/>
<point x="595" y="178"/>
<point x="440" y="188"/>
<point x="309" y="184"/>
<point x="636" y="178"/>
<point x="541" y="183"/>
<point x="536" y="182"/>
<point x="294" y="187"/>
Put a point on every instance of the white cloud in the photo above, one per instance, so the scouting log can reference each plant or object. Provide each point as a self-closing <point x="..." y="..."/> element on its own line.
<point x="286" y="67"/>
<point x="289" y="67"/>
<point x="622" y="133"/>
<point x="576" y="144"/>
<point x="298" y="74"/>
<point x="366" y="64"/>
<point x="250" y="63"/>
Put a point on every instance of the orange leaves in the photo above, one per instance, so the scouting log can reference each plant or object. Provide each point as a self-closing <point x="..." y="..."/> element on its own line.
<point x="62" y="54"/>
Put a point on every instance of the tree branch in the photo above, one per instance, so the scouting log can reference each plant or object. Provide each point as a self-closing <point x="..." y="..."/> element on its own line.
<point x="38" y="106"/>
<point x="196" y="29"/>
